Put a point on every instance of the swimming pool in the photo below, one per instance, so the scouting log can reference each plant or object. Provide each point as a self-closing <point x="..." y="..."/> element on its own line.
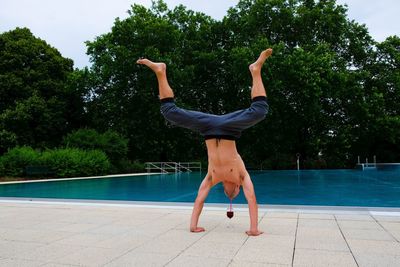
<point x="374" y="188"/>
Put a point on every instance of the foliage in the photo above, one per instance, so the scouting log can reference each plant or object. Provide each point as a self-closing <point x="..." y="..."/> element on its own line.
<point x="35" y="100"/>
<point x="73" y="162"/>
<point x="7" y="140"/>
<point x="113" y="144"/>
<point x="333" y="91"/>
<point x="322" y="104"/>
<point x="128" y="166"/>
<point x="15" y="160"/>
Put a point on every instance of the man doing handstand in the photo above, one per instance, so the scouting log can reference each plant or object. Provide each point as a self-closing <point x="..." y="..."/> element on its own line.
<point x="220" y="132"/>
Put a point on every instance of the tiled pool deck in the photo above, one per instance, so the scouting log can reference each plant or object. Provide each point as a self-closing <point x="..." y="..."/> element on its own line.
<point x="72" y="234"/>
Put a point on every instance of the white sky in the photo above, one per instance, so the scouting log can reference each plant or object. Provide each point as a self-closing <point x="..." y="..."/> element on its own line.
<point x="67" y="24"/>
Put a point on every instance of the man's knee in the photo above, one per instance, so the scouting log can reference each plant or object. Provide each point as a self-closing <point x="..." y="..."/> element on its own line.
<point x="260" y="109"/>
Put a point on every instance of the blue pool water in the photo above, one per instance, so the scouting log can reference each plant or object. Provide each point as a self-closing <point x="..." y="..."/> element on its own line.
<point x="310" y="187"/>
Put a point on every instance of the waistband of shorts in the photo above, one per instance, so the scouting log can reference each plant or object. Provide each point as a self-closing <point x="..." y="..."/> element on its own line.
<point x="259" y="98"/>
<point x="225" y="137"/>
<point x="171" y="99"/>
<point x="167" y="100"/>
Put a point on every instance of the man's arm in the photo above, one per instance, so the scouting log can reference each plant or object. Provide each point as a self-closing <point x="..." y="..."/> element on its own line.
<point x="204" y="188"/>
<point x="248" y="190"/>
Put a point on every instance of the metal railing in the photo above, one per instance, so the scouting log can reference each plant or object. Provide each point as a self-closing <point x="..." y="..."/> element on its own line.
<point x="167" y="167"/>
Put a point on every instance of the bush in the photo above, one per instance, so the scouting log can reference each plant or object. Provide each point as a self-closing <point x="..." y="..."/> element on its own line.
<point x="15" y="160"/>
<point x="112" y="143"/>
<point x="2" y="169"/>
<point x="127" y="166"/>
<point x="72" y="162"/>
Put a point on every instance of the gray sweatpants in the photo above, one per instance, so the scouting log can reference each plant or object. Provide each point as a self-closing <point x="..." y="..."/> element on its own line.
<point x="227" y="126"/>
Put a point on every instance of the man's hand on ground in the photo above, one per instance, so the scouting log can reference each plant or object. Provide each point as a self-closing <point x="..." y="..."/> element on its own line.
<point x="197" y="229"/>
<point x="254" y="233"/>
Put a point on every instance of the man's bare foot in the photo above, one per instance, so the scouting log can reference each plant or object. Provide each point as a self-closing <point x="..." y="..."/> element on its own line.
<point x="256" y="66"/>
<point x="157" y="67"/>
<point x="197" y="230"/>
<point x="254" y="233"/>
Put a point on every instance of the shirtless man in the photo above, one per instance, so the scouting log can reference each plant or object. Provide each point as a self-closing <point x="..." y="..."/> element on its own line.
<point x="220" y="131"/>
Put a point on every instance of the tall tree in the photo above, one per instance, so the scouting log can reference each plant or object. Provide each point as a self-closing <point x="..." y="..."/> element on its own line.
<point x="323" y="102"/>
<point x="35" y="100"/>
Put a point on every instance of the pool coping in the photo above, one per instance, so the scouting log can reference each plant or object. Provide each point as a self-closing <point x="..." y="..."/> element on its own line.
<point x="381" y="211"/>
<point x="81" y="178"/>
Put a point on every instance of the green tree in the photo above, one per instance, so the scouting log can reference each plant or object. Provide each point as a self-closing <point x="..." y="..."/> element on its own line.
<point x="36" y="103"/>
<point x="330" y="85"/>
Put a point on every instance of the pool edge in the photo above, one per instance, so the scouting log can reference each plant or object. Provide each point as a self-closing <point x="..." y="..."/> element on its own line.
<point x="384" y="211"/>
<point x="81" y="178"/>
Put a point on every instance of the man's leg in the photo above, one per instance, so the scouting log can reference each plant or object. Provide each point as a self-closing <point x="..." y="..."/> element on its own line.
<point x="255" y="69"/>
<point x="194" y="120"/>
<point x="160" y="69"/>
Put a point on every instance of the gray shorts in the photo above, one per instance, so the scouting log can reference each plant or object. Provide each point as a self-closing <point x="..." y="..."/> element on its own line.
<point x="227" y="126"/>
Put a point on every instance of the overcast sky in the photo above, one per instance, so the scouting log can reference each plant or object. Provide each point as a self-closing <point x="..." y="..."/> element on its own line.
<point x="67" y="24"/>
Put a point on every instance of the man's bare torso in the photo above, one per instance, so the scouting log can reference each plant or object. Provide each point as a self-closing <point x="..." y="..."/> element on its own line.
<point x="224" y="162"/>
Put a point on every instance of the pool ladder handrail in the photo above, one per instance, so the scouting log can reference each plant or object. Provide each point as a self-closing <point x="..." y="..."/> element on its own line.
<point x="175" y="166"/>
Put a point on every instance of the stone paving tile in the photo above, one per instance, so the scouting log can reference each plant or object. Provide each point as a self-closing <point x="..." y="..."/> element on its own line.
<point x="232" y="228"/>
<point x="314" y="232"/>
<point x="314" y="257"/>
<point x="212" y="249"/>
<point x="83" y="239"/>
<point x="162" y="247"/>
<point x="237" y="263"/>
<point x="315" y="223"/>
<point x="49" y="252"/>
<point x="274" y="229"/>
<point x="125" y="241"/>
<point x="322" y="243"/>
<point x="270" y="241"/>
<point x="12" y="249"/>
<point x="387" y="218"/>
<point x="273" y="255"/>
<point x="267" y="249"/>
<point x="279" y="221"/>
<point x="17" y="223"/>
<point x="377" y="260"/>
<point x="109" y="229"/>
<point x="141" y="259"/>
<point x="391" y="226"/>
<point x="19" y="263"/>
<point x="50" y="264"/>
<point x="273" y="214"/>
<point x="192" y="261"/>
<point x="359" y="225"/>
<point x="367" y="234"/>
<point x="78" y="227"/>
<point x="90" y="256"/>
<point x="320" y="216"/>
<point x="50" y="226"/>
<point x="25" y="235"/>
<point x="353" y="217"/>
<point x="72" y="235"/>
<point x="374" y="247"/>
<point x="224" y="237"/>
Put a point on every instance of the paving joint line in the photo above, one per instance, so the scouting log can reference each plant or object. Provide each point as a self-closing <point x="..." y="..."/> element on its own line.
<point x="348" y="246"/>
<point x="191" y="244"/>
<point x="295" y="238"/>
<point x="247" y="238"/>
<point x="130" y="250"/>
<point x="387" y="231"/>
